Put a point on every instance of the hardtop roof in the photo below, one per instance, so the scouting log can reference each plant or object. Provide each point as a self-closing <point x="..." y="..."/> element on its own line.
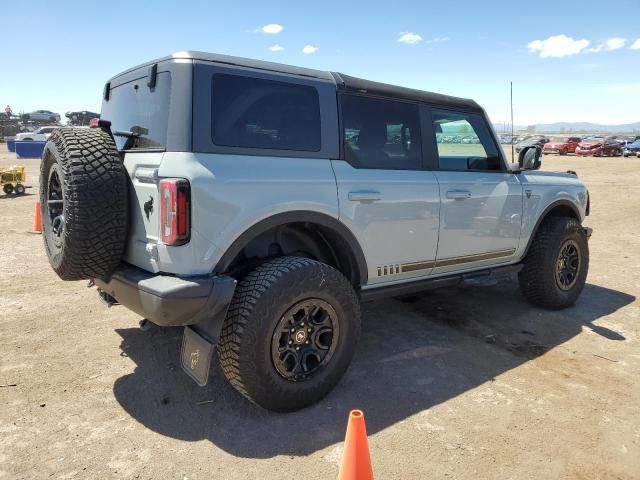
<point x="342" y="81"/>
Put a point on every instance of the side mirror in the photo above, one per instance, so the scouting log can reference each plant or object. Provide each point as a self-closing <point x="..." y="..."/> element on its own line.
<point x="530" y="158"/>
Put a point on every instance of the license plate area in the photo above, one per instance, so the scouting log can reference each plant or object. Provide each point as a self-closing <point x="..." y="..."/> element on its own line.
<point x="196" y="356"/>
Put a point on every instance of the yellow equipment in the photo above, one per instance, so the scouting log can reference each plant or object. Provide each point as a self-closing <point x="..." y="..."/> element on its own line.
<point x="12" y="180"/>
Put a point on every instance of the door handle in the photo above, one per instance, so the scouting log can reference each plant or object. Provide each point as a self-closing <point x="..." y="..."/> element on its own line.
<point x="364" y="196"/>
<point x="459" y="194"/>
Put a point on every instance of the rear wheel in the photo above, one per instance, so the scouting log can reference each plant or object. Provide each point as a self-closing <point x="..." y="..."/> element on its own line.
<point x="556" y="266"/>
<point x="563" y="151"/>
<point x="19" y="189"/>
<point x="290" y="333"/>
<point x="7" y="188"/>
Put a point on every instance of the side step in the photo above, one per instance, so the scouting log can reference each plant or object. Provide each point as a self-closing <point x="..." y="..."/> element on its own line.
<point x="409" y="288"/>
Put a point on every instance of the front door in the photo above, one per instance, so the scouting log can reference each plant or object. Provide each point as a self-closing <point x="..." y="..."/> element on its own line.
<point x="385" y="196"/>
<point x="481" y="202"/>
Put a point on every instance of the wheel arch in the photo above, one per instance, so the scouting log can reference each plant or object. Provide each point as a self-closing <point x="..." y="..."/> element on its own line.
<point x="307" y="228"/>
<point x="559" y="208"/>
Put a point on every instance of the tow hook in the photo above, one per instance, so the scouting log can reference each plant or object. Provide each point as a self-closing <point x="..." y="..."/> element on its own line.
<point x="107" y="299"/>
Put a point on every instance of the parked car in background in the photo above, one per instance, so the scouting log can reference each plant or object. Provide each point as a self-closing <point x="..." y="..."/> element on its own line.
<point x="562" y="145"/>
<point x="81" y="118"/>
<point x="42" y="134"/>
<point x="42" y="115"/>
<point x="538" y="140"/>
<point x="599" y="147"/>
<point x="632" y="149"/>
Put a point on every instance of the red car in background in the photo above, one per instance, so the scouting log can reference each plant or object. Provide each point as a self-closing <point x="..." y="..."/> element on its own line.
<point x="599" y="147"/>
<point x="562" y="145"/>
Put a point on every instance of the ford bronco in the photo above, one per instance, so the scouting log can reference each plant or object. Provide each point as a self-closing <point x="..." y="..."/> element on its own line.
<point x="256" y="204"/>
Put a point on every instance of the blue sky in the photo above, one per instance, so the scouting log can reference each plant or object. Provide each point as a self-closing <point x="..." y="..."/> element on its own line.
<point x="569" y="61"/>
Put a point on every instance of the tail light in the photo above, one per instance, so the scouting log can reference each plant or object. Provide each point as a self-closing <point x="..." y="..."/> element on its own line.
<point x="93" y="123"/>
<point x="175" y="211"/>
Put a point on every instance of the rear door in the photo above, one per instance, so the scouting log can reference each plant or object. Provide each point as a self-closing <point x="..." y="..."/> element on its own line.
<point x="481" y="202"/>
<point x="386" y="197"/>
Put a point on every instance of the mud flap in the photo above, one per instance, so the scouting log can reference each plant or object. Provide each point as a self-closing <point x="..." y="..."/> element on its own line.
<point x="196" y="356"/>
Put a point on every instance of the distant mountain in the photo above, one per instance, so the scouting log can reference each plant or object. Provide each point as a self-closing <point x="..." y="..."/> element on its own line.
<point x="576" y="127"/>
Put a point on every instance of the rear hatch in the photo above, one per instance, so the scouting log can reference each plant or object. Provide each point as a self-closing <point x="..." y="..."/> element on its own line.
<point x="139" y="116"/>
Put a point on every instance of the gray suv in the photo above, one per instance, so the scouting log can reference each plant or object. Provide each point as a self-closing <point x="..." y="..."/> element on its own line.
<point x="257" y="204"/>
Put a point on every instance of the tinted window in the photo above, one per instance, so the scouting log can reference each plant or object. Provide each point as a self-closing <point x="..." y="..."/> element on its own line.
<point x="256" y="113"/>
<point x="133" y="107"/>
<point x="464" y="142"/>
<point x="381" y="133"/>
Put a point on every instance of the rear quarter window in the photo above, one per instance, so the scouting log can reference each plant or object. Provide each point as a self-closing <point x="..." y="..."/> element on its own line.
<point x="257" y="113"/>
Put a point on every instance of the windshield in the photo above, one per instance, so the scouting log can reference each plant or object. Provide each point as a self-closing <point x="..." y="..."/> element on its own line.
<point x="559" y="139"/>
<point x="133" y="107"/>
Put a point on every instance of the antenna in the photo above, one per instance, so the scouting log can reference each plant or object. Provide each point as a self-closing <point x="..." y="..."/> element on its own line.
<point x="512" y="147"/>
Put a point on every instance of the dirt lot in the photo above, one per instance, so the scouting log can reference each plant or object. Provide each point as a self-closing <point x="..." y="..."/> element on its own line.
<point x="469" y="383"/>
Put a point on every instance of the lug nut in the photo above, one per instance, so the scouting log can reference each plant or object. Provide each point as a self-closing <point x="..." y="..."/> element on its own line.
<point x="297" y="348"/>
<point x="293" y="330"/>
<point x="307" y="342"/>
<point x="290" y="342"/>
<point x="302" y="324"/>
<point x="309" y="330"/>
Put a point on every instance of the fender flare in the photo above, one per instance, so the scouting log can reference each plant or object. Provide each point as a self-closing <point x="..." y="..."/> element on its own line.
<point x="558" y="203"/>
<point x="297" y="216"/>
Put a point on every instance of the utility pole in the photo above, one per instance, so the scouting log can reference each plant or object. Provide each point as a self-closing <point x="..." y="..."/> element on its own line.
<point x="512" y="146"/>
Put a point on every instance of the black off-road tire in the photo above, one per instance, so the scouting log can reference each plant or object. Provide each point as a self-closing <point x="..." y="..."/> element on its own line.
<point x="94" y="188"/>
<point x="537" y="279"/>
<point x="19" y="189"/>
<point x="260" y="302"/>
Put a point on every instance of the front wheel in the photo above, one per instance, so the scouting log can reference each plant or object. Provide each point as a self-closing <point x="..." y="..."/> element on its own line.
<point x="290" y="333"/>
<point x="556" y="266"/>
<point x="19" y="189"/>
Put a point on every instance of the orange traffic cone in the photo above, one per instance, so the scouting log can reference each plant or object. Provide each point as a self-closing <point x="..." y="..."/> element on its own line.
<point x="37" y="220"/>
<point x="356" y="461"/>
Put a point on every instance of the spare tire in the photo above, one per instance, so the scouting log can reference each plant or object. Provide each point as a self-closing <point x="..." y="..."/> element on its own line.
<point x="84" y="203"/>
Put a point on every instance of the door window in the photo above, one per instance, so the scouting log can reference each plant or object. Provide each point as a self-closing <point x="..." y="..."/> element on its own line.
<point x="464" y="142"/>
<point x="381" y="134"/>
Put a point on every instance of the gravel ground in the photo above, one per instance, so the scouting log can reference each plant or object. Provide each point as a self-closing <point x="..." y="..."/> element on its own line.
<point x="457" y="383"/>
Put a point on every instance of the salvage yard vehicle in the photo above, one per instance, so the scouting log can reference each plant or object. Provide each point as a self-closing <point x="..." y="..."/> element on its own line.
<point x="561" y="145"/>
<point x="40" y="135"/>
<point x="538" y="140"/>
<point x="632" y="149"/>
<point x="599" y="147"/>
<point x="256" y="204"/>
<point x="42" y="116"/>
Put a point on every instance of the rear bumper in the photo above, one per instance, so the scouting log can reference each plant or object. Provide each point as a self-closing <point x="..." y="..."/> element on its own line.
<point x="168" y="300"/>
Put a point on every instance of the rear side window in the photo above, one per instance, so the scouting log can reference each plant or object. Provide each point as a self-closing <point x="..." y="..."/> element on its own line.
<point x="256" y="113"/>
<point x="382" y="134"/>
<point x="135" y="108"/>
<point x="464" y="142"/>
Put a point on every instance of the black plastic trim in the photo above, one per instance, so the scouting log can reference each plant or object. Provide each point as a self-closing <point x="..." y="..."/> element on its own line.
<point x="297" y="216"/>
<point x="550" y="207"/>
<point x="167" y="300"/>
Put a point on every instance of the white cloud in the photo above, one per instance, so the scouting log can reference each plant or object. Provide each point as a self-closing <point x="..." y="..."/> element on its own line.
<point x="611" y="44"/>
<point x="409" y="38"/>
<point x="270" y="28"/>
<point x="276" y="48"/>
<point x="557" y="46"/>
<point x="635" y="45"/>
<point x="615" y="43"/>
<point x="309" y="49"/>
